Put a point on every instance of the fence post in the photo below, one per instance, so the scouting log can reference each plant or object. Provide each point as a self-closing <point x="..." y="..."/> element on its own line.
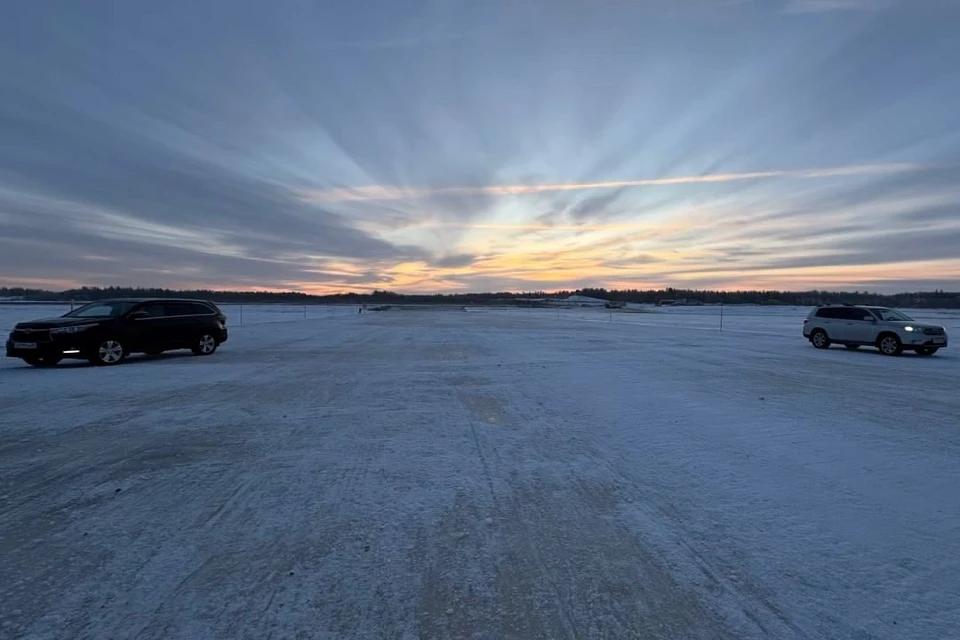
<point x="304" y="312"/>
<point x="241" y="314"/>
<point x="721" y="317"/>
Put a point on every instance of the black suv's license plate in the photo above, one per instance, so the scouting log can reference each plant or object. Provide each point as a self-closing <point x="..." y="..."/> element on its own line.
<point x="24" y="345"/>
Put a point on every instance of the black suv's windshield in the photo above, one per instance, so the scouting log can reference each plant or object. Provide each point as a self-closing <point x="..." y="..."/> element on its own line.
<point x="101" y="310"/>
<point x="891" y="315"/>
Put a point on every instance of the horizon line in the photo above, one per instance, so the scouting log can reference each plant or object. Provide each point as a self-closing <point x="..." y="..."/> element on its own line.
<point x="466" y="293"/>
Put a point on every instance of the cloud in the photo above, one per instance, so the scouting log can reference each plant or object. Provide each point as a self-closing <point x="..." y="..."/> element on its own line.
<point x="631" y="261"/>
<point x="454" y="261"/>
<point x="368" y="278"/>
<point x="399" y="42"/>
<point x="346" y="147"/>
<point x="594" y="206"/>
<point x="821" y="6"/>
<point x="383" y="192"/>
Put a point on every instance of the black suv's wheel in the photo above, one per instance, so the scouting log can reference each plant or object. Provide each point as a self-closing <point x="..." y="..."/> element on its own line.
<point x="926" y="351"/>
<point x="819" y="339"/>
<point x="108" y="352"/>
<point x="205" y="345"/>
<point x="852" y="347"/>
<point x="889" y="345"/>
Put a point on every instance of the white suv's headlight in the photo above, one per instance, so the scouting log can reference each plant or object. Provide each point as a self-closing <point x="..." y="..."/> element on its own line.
<point x="75" y="329"/>
<point x="909" y="328"/>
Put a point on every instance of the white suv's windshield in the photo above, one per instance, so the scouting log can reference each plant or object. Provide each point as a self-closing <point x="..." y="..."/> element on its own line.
<point x="891" y="315"/>
<point x="101" y="310"/>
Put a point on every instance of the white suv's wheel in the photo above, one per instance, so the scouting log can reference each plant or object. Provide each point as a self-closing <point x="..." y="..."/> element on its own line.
<point x="819" y="339"/>
<point x="890" y="345"/>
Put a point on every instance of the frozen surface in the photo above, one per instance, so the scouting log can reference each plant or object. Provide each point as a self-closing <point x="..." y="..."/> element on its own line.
<point x="495" y="474"/>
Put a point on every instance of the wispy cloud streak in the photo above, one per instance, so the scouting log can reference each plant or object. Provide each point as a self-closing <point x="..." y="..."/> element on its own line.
<point x="387" y="192"/>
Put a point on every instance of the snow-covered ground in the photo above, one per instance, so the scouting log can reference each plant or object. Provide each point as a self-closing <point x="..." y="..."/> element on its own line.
<point x="497" y="474"/>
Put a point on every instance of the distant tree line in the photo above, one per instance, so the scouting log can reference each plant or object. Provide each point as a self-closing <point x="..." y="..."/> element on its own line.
<point x="929" y="299"/>
<point x="938" y="299"/>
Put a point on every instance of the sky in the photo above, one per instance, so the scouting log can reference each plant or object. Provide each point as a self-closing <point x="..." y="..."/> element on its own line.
<point x="453" y="145"/>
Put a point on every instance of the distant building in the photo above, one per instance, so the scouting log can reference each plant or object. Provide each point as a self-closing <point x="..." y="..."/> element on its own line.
<point x="679" y="302"/>
<point x="585" y="301"/>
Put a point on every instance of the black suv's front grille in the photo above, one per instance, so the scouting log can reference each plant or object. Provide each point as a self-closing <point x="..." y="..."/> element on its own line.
<point x="937" y="331"/>
<point x="31" y="335"/>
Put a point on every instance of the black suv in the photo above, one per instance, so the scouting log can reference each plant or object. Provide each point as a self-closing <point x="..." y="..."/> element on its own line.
<point x="105" y="332"/>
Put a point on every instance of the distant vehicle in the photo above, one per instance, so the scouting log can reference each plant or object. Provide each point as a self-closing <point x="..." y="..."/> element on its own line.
<point x="888" y="330"/>
<point x="107" y="331"/>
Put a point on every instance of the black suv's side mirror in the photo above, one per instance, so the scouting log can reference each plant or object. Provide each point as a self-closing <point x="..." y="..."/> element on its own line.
<point x="138" y="315"/>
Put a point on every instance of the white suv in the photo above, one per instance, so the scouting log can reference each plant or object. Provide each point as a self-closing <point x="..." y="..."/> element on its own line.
<point x="888" y="330"/>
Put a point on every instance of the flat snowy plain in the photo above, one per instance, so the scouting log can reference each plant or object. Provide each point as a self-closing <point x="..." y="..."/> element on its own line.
<point x="490" y="474"/>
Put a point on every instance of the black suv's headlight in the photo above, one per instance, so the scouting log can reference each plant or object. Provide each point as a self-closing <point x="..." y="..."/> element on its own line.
<point x="74" y="329"/>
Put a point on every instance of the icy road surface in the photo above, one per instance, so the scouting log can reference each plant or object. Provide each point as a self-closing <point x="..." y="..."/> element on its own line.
<point x="440" y="474"/>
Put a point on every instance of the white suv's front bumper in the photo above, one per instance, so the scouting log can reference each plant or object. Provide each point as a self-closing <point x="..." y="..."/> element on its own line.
<point x="921" y="340"/>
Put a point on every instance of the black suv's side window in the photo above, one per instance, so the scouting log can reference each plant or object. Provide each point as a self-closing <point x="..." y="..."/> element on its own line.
<point x="200" y="309"/>
<point x="153" y="309"/>
<point x="180" y="309"/>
